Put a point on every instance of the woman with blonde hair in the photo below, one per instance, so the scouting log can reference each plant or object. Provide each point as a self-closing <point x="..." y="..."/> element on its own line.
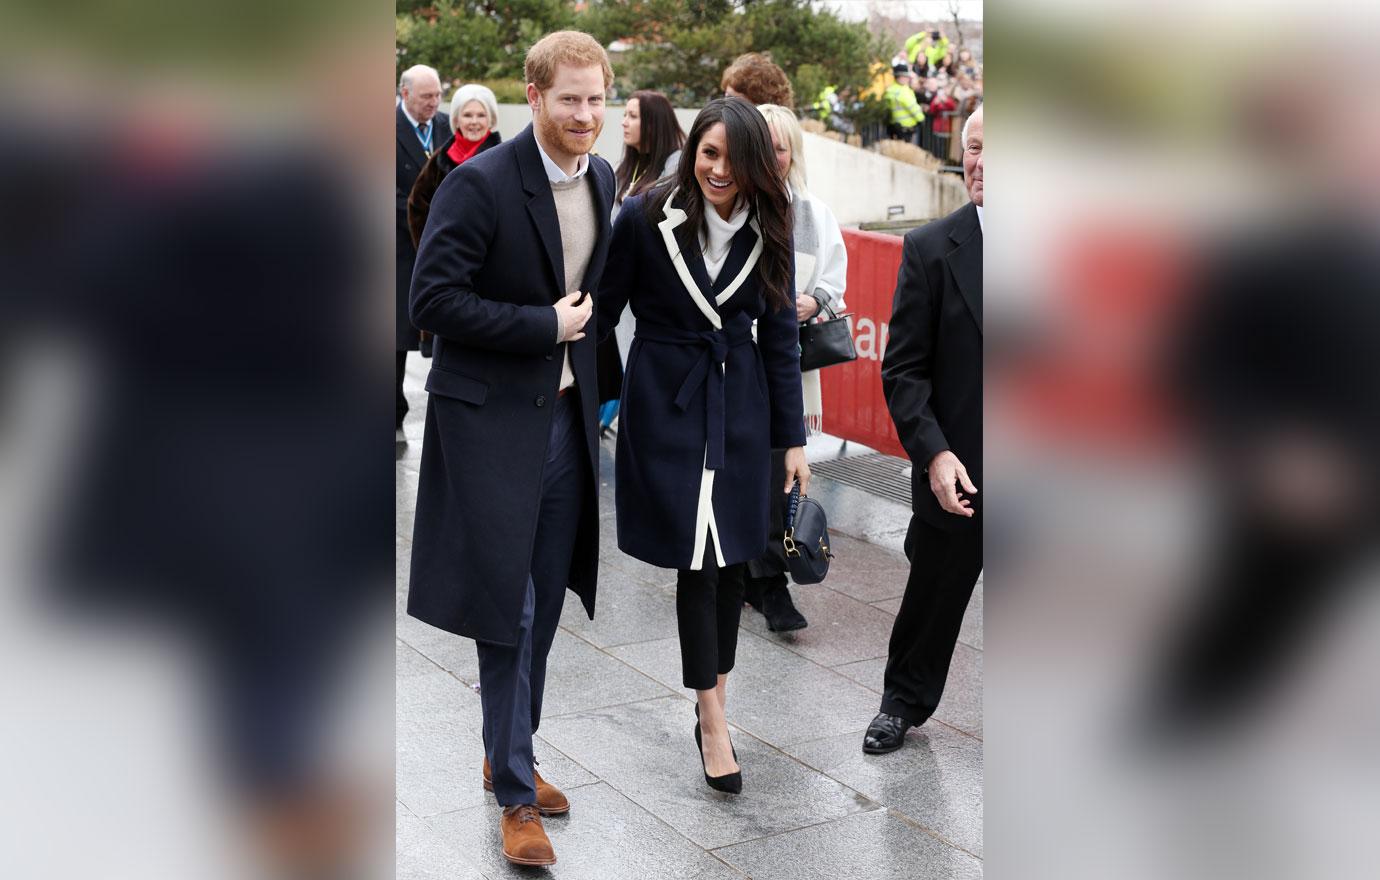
<point x="821" y="273"/>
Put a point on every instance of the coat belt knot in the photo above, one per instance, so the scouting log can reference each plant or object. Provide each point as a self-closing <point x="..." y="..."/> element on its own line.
<point x="708" y="370"/>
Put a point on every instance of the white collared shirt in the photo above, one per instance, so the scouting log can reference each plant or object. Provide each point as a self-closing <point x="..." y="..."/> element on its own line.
<point x="980" y="227"/>
<point x="554" y="172"/>
<point x="414" y="123"/>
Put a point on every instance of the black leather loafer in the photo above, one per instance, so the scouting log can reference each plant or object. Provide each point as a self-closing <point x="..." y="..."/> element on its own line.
<point x="885" y="734"/>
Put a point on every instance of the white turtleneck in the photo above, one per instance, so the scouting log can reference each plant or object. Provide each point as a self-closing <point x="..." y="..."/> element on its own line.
<point x="720" y="238"/>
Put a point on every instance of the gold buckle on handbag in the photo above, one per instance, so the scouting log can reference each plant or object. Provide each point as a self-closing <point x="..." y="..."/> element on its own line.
<point x="789" y="541"/>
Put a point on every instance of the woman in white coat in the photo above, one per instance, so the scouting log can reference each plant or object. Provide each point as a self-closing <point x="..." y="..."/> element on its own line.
<point x="821" y="273"/>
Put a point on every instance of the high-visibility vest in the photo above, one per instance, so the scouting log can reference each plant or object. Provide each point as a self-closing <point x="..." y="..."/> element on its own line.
<point x="934" y="54"/>
<point x="824" y="105"/>
<point x="913" y="45"/>
<point x="905" y="109"/>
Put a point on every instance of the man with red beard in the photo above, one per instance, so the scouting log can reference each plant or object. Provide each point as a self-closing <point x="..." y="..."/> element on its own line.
<point x="506" y="500"/>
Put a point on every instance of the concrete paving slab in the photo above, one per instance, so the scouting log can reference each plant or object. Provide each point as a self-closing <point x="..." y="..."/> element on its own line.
<point x="437" y="696"/>
<point x="867" y="673"/>
<point x="617" y="739"/>
<point x="774" y="694"/>
<point x="934" y="779"/>
<point x="971" y="631"/>
<point x="890" y="606"/>
<point x="647" y="751"/>
<point x="437" y="766"/>
<point x="423" y="853"/>
<point x="580" y="677"/>
<point x="604" y="837"/>
<point x="865" y="571"/>
<point x="841" y="630"/>
<point x="961" y="705"/>
<point x="628" y="610"/>
<point x="864" y="847"/>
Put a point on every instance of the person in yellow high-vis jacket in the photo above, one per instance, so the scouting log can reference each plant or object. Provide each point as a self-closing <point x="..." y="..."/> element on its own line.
<point x="906" y="113"/>
<point x="933" y="43"/>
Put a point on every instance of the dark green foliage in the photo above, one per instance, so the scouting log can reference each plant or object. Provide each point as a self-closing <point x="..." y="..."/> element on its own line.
<point x="679" y="47"/>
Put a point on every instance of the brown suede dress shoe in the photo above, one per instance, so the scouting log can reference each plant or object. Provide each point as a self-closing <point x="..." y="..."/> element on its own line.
<point x="524" y="839"/>
<point x="550" y="800"/>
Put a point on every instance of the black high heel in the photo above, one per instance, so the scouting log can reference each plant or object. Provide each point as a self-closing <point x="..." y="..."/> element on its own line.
<point x="730" y="742"/>
<point x="731" y="783"/>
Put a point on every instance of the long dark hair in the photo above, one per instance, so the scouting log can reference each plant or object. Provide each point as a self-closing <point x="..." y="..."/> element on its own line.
<point x="660" y="135"/>
<point x="760" y="184"/>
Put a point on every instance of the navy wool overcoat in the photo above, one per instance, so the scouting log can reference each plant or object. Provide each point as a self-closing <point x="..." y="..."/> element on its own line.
<point x="489" y="268"/>
<point x="703" y="403"/>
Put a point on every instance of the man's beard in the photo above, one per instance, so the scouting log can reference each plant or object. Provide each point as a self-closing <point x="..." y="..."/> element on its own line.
<point x="554" y="133"/>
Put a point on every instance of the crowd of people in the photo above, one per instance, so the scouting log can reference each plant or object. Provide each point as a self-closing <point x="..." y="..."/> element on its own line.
<point x="524" y="257"/>
<point x="934" y="84"/>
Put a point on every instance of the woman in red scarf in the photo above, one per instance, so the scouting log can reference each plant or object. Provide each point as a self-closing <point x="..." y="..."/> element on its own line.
<point x="473" y="118"/>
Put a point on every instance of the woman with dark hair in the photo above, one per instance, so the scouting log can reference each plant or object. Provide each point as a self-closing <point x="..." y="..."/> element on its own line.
<point x="700" y="256"/>
<point x="652" y="141"/>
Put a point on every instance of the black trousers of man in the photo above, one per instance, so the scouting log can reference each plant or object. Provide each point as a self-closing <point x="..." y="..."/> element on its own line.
<point x="944" y="568"/>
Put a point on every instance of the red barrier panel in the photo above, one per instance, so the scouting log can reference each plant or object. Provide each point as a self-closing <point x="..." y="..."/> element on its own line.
<point x="854" y="407"/>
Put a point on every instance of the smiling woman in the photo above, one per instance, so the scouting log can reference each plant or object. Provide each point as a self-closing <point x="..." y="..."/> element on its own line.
<point x="701" y="256"/>
<point x="474" y="119"/>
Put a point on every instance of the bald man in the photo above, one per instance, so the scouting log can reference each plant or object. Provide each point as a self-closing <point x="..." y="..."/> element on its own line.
<point x="932" y="379"/>
<point x="421" y="131"/>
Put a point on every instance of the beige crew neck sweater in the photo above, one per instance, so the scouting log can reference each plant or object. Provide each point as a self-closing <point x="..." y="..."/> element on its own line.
<point x="579" y="232"/>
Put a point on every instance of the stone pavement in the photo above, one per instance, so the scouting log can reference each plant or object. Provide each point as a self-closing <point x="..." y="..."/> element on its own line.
<point x="617" y="731"/>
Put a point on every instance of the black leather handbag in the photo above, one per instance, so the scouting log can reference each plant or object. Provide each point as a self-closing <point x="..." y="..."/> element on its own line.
<point x="828" y="342"/>
<point x="806" y="539"/>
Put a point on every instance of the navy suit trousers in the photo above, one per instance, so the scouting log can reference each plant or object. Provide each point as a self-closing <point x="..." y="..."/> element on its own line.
<point x="512" y="678"/>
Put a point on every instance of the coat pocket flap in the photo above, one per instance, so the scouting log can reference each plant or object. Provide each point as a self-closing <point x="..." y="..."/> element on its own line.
<point x="448" y="384"/>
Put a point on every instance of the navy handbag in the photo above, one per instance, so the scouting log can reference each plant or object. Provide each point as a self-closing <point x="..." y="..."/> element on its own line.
<point x="806" y="539"/>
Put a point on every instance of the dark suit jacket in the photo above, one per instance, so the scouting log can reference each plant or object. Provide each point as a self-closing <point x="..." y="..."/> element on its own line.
<point x="411" y="158"/>
<point x="932" y="369"/>
<point x="489" y="268"/>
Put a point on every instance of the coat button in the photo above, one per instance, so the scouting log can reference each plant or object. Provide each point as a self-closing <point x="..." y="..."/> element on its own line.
<point x="548" y="357"/>
<point x="541" y="400"/>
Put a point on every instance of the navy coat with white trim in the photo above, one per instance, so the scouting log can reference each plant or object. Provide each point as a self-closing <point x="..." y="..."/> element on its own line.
<point x="489" y="268"/>
<point x="674" y="477"/>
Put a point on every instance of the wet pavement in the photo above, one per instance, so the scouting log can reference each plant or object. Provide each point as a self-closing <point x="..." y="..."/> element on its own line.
<point x="616" y="731"/>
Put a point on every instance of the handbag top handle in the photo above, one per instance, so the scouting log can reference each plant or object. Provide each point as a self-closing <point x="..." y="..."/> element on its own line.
<point x="788" y="539"/>
<point x="792" y="505"/>
<point x="828" y="310"/>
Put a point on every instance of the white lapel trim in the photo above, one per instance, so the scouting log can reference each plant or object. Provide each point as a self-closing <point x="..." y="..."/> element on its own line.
<point x="747" y="267"/>
<point x="675" y="217"/>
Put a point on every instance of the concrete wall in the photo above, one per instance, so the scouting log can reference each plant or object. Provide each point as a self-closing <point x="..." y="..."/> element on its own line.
<point x="859" y="185"/>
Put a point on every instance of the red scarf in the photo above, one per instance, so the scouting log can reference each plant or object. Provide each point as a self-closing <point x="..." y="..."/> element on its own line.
<point x="463" y="149"/>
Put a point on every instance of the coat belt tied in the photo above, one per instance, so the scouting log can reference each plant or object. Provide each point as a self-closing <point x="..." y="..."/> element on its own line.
<point x="708" y="370"/>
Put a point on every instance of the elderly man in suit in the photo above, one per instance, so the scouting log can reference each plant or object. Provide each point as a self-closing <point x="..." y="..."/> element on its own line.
<point x="421" y="131"/>
<point x="932" y="377"/>
<point x="506" y="502"/>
